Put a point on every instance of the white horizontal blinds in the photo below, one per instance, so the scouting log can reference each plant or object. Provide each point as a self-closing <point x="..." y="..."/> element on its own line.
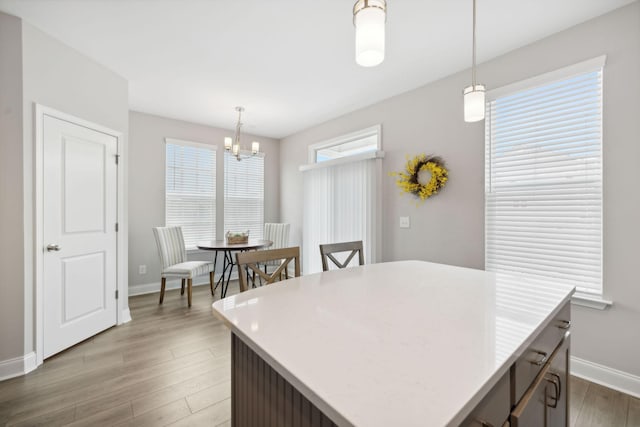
<point x="544" y="182"/>
<point x="244" y="195"/>
<point x="190" y="192"/>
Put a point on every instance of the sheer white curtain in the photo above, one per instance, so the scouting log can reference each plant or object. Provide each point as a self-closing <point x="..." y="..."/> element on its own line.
<point x="341" y="203"/>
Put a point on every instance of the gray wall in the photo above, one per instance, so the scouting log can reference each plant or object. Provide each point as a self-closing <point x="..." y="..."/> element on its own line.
<point x="54" y="75"/>
<point x="11" y="214"/>
<point x="146" y="183"/>
<point x="59" y="77"/>
<point x="450" y="227"/>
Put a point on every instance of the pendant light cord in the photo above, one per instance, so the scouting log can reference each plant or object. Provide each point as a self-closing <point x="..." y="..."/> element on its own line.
<point x="473" y="54"/>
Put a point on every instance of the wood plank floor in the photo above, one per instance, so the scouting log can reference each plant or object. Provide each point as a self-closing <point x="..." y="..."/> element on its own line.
<point x="171" y="366"/>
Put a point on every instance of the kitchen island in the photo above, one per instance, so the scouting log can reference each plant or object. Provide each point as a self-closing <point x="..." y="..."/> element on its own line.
<point x="407" y="343"/>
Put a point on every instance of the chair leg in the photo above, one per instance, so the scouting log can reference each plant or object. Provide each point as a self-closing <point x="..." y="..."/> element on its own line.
<point x="162" y="286"/>
<point x="182" y="289"/>
<point x="189" y="290"/>
<point x="211" y="282"/>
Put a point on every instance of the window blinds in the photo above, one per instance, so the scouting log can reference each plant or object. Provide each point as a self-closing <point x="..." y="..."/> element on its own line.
<point x="543" y="195"/>
<point x="340" y="204"/>
<point x="190" y="192"/>
<point x="244" y="195"/>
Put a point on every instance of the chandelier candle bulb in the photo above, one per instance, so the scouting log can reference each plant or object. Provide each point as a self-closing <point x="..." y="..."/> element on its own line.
<point x="255" y="147"/>
<point x="228" y="142"/>
<point x="369" y="19"/>
<point x="235" y="150"/>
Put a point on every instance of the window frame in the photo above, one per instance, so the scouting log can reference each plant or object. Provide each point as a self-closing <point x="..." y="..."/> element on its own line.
<point x="201" y="145"/>
<point x="375" y="130"/>
<point x="595" y="64"/>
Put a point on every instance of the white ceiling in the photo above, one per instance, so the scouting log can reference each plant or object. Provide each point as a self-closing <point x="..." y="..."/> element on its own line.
<point x="289" y="62"/>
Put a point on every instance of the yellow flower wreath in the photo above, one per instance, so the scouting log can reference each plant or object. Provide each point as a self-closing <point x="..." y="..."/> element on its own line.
<point x="408" y="180"/>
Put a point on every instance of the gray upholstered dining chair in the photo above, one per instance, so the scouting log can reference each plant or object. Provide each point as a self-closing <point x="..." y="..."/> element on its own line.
<point x="327" y="252"/>
<point x="279" y="235"/>
<point x="173" y="256"/>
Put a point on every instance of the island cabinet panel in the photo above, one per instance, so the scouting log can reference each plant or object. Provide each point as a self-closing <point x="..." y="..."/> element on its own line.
<point x="494" y="409"/>
<point x="262" y="397"/>
<point x="529" y="365"/>
<point x="558" y="387"/>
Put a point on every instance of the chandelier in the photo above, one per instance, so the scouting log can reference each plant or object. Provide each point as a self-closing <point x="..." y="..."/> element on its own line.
<point x="232" y="145"/>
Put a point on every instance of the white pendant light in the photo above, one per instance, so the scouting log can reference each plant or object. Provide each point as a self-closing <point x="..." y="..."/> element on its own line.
<point x="369" y="18"/>
<point x="474" y="103"/>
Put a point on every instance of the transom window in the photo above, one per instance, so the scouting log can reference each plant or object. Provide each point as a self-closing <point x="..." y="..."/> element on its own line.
<point x="353" y="144"/>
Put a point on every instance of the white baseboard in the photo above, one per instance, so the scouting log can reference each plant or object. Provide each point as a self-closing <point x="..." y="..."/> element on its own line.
<point x="125" y="316"/>
<point x="151" y="288"/>
<point x="30" y="362"/>
<point x="17" y="366"/>
<point x="606" y="376"/>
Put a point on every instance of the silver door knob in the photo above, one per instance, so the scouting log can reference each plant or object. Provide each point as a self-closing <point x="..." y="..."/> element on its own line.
<point x="52" y="247"/>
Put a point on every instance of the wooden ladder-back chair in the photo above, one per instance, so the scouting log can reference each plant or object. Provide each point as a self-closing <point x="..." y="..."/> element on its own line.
<point x="250" y="261"/>
<point x="327" y="251"/>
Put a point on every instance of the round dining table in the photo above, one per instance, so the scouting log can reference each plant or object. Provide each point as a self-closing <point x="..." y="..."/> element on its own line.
<point x="228" y="259"/>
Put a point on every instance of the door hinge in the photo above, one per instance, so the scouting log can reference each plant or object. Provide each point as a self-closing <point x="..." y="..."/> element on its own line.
<point x="117" y="294"/>
<point x="117" y="228"/>
<point x="117" y="158"/>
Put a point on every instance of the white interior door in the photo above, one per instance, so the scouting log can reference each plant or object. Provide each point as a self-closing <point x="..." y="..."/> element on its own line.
<point x="79" y="212"/>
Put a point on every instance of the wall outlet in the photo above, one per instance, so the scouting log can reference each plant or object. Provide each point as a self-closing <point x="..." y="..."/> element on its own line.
<point x="405" y="222"/>
<point x="142" y="269"/>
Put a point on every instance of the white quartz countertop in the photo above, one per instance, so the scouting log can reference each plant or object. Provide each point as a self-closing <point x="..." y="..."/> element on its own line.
<point x="407" y="343"/>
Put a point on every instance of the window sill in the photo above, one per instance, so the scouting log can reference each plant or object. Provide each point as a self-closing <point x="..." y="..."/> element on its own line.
<point x="596" y="303"/>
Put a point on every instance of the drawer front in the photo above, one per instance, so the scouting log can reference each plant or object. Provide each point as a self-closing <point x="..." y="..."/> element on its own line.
<point x="545" y="402"/>
<point x="529" y="365"/>
<point x="494" y="409"/>
<point x="531" y="411"/>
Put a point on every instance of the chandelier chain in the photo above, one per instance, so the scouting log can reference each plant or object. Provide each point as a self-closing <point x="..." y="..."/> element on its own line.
<point x="239" y="124"/>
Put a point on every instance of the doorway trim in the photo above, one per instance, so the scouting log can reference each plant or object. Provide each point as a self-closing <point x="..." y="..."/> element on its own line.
<point x="122" y="306"/>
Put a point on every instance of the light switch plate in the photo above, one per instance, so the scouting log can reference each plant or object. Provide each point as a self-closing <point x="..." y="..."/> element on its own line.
<point x="142" y="269"/>
<point x="405" y="222"/>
